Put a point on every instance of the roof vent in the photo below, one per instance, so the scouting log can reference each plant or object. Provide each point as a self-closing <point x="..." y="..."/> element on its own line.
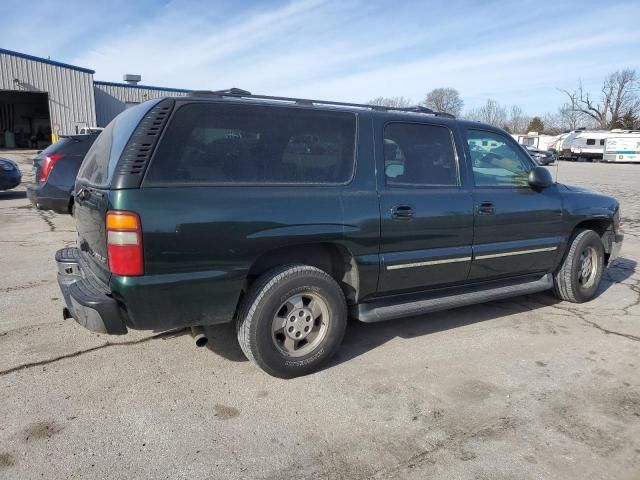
<point x="131" y="79"/>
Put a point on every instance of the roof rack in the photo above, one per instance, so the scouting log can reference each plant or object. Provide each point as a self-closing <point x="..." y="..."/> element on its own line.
<point x="240" y="93"/>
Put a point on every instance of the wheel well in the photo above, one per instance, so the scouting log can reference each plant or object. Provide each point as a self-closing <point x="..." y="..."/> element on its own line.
<point x="334" y="259"/>
<point x="597" y="225"/>
<point x="600" y="226"/>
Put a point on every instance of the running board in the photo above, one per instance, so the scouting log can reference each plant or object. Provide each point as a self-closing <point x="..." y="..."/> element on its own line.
<point x="387" y="309"/>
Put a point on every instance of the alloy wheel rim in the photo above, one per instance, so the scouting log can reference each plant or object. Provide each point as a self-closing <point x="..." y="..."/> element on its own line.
<point x="300" y="324"/>
<point x="588" y="268"/>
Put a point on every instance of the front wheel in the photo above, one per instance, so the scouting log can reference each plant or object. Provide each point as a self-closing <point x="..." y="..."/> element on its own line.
<point x="292" y="320"/>
<point x="579" y="275"/>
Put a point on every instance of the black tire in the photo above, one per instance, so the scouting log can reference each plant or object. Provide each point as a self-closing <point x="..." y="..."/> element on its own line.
<point x="263" y="302"/>
<point x="567" y="282"/>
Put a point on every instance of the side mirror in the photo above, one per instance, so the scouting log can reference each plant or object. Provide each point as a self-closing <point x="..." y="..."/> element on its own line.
<point x="540" y="178"/>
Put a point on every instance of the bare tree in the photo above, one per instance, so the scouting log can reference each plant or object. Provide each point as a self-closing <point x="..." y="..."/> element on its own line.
<point x="399" y="102"/>
<point x="570" y="117"/>
<point x="517" y="120"/>
<point x="617" y="96"/>
<point x="553" y="123"/>
<point x="444" y="100"/>
<point x="491" y="112"/>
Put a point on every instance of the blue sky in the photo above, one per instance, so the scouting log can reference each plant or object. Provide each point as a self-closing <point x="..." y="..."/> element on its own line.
<point x="351" y="50"/>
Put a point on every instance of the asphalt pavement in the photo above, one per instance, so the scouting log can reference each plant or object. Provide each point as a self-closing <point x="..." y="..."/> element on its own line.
<point x="525" y="388"/>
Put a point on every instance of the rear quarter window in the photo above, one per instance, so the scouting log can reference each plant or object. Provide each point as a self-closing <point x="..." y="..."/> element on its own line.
<point x="209" y="143"/>
<point x="100" y="161"/>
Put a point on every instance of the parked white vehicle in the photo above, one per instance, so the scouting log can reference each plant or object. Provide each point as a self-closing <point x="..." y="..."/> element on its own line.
<point x="564" y="144"/>
<point x="623" y="147"/>
<point x="89" y="130"/>
<point x="556" y="144"/>
<point x="589" y="145"/>
<point x="535" y="139"/>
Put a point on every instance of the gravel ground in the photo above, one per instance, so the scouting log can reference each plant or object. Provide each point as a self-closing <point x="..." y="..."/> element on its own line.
<point x="527" y="388"/>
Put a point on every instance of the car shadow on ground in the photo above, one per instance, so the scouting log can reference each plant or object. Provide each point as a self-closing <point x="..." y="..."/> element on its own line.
<point x="224" y="341"/>
<point x="361" y="337"/>
<point x="12" y="195"/>
<point x="617" y="272"/>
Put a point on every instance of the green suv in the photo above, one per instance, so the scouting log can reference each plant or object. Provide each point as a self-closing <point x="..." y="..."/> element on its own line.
<point x="287" y="216"/>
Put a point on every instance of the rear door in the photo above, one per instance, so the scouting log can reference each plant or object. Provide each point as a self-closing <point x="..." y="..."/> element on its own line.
<point x="426" y="208"/>
<point x="518" y="230"/>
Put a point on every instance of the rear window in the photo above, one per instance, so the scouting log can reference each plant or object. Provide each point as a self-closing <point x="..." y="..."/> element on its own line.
<point x="208" y="143"/>
<point x="100" y="161"/>
<point x="54" y="147"/>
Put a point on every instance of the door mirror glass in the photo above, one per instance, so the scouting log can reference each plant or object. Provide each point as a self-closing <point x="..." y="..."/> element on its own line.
<point x="540" y="177"/>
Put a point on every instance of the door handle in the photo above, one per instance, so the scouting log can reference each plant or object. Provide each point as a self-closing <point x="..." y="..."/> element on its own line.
<point x="404" y="212"/>
<point x="486" y="208"/>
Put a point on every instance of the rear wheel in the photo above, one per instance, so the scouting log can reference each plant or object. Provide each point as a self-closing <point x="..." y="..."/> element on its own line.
<point x="292" y="320"/>
<point x="579" y="275"/>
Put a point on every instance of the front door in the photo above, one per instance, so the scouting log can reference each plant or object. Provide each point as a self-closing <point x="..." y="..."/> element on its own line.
<point x="517" y="229"/>
<point x="426" y="209"/>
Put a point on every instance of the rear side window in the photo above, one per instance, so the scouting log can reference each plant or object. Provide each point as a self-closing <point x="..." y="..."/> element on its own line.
<point x="208" y="143"/>
<point x="420" y="155"/>
<point x="100" y="161"/>
<point x="591" y="141"/>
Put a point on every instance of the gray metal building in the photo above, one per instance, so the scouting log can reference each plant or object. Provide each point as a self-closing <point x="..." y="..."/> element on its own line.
<point x="41" y="99"/>
<point x="113" y="98"/>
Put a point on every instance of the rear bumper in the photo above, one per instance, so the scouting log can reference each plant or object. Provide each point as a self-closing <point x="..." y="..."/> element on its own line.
<point x="45" y="197"/>
<point x="87" y="299"/>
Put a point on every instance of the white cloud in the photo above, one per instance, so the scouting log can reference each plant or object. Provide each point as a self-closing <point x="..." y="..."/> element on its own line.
<point x="356" y="50"/>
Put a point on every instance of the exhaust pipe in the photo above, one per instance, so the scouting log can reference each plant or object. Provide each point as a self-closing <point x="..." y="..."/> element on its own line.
<point x="199" y="336"/>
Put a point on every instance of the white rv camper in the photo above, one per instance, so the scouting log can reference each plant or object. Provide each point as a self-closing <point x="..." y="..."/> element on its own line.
<point x="563" y="146"/>
<point x="540" y="141"/>
<point x="556" y="144"/>
<point x="622" y="147"/>
<point x="589" y="145"/>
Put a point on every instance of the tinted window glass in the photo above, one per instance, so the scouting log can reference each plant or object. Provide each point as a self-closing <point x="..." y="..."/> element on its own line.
<point x="54" y="147"/>
<point x="591" y="141"/>
<point x="419" y="155"/>
<point x="496" y="161"/>
<point x="231" y="143"/>
<point x="101" y="159"/>
<point x="602" y="142"/>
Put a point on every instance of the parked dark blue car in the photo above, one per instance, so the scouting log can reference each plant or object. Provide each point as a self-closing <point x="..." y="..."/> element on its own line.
<point x="10" y="175"/>
<point x="55" y="171"/>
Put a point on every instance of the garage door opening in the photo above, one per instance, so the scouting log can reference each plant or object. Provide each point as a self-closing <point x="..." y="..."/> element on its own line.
<point x="24" y="120"/>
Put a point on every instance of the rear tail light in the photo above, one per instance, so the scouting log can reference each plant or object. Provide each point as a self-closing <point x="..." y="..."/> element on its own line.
<point x="124" y="243"/>
<point x="47" y="166"/>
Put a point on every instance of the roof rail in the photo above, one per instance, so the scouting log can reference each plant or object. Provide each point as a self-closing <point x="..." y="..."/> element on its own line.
<point x="240" y="93"/>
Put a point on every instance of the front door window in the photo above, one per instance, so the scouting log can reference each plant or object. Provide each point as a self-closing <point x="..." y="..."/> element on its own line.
<point x="496" y="162"/>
